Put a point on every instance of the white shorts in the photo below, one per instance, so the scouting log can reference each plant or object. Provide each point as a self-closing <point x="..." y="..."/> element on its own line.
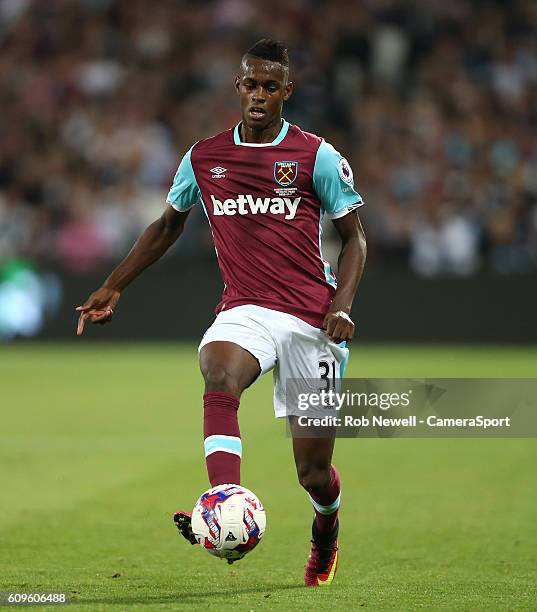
<point x="281" y="342"/>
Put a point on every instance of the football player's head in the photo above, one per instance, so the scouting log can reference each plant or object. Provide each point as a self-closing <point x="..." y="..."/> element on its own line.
<point x="263" y="83"/>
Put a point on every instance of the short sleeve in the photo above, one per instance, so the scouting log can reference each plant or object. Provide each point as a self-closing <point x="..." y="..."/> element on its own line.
<point x="184" y="192"/>
<point x="333" y="182"/>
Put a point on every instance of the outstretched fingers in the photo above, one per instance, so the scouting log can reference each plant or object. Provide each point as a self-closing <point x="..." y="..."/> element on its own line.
<point x="94" y="315"/>
<point x="81" y="322"/>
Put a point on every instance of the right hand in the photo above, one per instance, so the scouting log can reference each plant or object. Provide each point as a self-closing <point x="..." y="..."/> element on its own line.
<point x="98" y="308"/>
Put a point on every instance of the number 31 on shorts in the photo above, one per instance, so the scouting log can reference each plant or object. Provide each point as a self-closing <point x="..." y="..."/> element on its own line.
<point x="327" y="373"/>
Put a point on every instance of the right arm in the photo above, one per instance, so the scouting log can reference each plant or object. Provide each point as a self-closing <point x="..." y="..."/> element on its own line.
<point x="150" y="246"/>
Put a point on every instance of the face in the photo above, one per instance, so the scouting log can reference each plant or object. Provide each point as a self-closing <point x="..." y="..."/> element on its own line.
<point x="263" y="88"/>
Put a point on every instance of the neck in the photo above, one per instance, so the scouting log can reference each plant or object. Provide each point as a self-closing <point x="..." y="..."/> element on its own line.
<point x="262" y="136"/>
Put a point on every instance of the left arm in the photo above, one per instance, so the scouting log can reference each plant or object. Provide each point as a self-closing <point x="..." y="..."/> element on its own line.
<point x="337" y="322"/>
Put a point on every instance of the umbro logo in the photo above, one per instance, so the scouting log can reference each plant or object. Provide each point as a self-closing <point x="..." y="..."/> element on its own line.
<point x="218" y="172"/>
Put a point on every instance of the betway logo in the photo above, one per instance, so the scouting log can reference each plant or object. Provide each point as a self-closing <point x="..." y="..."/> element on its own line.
<point x="246" y="204"/>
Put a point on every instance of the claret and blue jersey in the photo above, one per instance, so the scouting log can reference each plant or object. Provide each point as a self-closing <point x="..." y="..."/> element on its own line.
<point x="265" y="204"/>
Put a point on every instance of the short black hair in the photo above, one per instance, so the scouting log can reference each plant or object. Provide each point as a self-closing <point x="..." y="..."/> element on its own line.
<point x="270" y="49"/>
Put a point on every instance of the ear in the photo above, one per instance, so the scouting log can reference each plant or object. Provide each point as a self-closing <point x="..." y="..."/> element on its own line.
<point x="237" y="83"/>
<point x="288" y="91"/>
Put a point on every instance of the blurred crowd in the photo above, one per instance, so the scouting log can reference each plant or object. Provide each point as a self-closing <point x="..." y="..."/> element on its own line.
<point x="434" y="103"/>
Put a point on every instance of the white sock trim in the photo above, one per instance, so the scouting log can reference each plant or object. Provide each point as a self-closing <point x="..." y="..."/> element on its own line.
<point x="224" y="444"/>
<point x="330" y="509"/>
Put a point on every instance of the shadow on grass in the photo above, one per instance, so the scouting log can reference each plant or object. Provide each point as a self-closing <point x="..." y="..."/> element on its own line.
<point x="187" y="598"/>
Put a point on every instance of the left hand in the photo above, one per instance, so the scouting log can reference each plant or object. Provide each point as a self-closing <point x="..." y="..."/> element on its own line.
<point x="338" y="326"/>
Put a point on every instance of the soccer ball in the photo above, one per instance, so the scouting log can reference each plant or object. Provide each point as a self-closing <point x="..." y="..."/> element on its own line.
<point x="228" y="521"/>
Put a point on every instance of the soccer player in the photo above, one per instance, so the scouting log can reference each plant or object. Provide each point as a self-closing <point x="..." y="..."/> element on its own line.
<point x="265" y="186"/>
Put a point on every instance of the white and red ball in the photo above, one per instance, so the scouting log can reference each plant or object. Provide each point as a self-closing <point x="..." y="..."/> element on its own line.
<point x="228" y="521"/>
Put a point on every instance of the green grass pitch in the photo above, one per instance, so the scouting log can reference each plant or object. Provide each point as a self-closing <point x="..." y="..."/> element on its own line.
<point x="100" y="443"/>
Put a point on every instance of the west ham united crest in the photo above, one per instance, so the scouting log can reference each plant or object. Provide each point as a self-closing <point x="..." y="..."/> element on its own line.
<point x="285" y="172"/>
